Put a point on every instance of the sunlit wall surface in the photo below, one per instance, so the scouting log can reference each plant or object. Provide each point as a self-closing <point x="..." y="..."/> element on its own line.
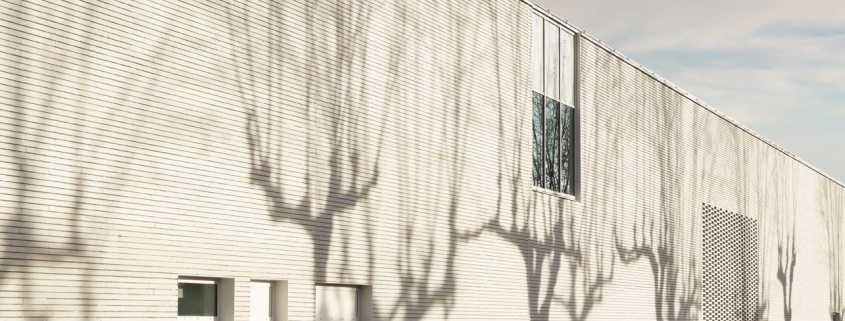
<point x="390" y="147"/>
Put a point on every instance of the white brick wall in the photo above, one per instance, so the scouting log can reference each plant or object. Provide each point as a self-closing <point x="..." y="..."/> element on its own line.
<point x="662" y="156"/>
<point x="382" y="143"/>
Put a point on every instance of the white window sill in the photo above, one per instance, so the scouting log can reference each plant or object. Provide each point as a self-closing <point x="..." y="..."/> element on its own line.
<point x="197" y="318"/>
<point x="553" y="193"/>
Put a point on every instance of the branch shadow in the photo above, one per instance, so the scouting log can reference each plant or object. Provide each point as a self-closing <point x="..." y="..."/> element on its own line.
<point x="331" y="104"/>
<point x="335" y="116"/>
<point x="566" y="263"/>
<point x="67" y="176"/>
<point x="831" y="200"/>
<point x="661" y="236"/>
<point x="427" y="261"/>
<point x="786" y="267"/>
<point x="784" y="231"/>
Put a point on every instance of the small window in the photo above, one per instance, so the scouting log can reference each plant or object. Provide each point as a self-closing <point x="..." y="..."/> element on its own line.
<point x="261" y="301"/>
<point x="337" y="303"/>
<point x="197" y="300"/>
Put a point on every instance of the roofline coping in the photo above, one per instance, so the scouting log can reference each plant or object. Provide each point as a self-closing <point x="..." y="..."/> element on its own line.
<point x="674" y="87"/>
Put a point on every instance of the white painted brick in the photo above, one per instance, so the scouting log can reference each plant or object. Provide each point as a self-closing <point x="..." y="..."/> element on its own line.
<point x="127" y="162"/>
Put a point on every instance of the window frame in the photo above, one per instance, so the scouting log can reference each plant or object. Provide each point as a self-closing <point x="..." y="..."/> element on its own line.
<point x="216" y="282"/>
<point x="271" y="285"/>
<point x="358" y="289"/>
<point x="574" y="167"/>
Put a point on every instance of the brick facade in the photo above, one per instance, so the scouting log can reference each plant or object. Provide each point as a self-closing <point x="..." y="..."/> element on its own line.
<point x="381" y="143"/>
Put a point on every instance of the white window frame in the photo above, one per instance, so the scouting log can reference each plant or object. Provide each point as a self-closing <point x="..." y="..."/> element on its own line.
<point x="272" y="287"/>
<point x="575" y="101"/>
<point x="356" y="288"/>
<point x="202" y="281"/>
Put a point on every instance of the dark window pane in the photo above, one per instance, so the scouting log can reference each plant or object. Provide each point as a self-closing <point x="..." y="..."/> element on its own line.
<point x="537" y="139"/>
<point x="199" y="300"/>
<point x="567" y="147"/>
<point x="552" y="145"/>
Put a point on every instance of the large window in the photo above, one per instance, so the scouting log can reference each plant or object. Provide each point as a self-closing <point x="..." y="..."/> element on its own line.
<point x="553" y="112"/>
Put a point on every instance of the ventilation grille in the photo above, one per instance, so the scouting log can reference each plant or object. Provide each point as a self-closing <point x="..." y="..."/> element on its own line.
<point x="730" y="266"/>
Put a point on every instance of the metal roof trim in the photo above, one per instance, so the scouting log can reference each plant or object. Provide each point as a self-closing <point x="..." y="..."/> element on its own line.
<point x="669" y="84"/>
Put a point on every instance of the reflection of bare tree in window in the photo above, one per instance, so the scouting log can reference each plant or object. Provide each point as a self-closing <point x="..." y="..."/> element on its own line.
<point x="537" y="147"/>
<point x="555" y="246"/>
<point x="566" y="264"/>
<point x="552" y="126"/>
<point x="552" y="144"/>
<point x="567" y="149"/>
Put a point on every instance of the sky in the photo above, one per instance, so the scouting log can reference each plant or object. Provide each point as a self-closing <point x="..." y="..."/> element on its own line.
<point x="777" y="67"/>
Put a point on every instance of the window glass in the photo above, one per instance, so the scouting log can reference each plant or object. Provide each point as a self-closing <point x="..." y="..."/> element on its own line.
<point x="197" y="299"/>
<point x="567" y="58"/>
<point x="537" y="139"/>
<point x="552" y="56"/>
<point x="552" y="132"/>
<point x="260" y="301"/>
<point x="537" y="52"/>
<point x="567" y="148"/>
<point x="552" y="112"/>
<point x="337" y="303"/>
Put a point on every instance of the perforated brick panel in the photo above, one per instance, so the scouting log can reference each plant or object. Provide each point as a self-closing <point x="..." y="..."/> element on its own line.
<point x="730" y="265"/>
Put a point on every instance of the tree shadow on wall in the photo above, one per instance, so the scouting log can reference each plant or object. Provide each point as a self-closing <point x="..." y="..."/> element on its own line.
<point x="560" y="246"/>
<point x="675" y="285"/>
<point x="659" y="234"/>
<point x="428" y="273"/>
<point x="567" y="264"/>
<point x="657" y="240"/>
<point x="831" y="200"/>
<point x="763" y="305"/>
<point x="70" y="170"/>
<point x="332" y="115"/>
<point x="786" y="267"/>
<point x="337" y="125"/>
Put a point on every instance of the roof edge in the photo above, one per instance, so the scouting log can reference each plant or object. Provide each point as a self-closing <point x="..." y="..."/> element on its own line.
<point x="674" y="87"/>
